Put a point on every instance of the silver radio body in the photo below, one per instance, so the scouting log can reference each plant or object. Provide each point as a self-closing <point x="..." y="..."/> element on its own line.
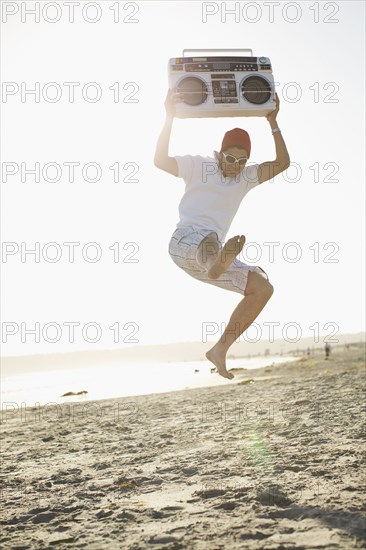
<point x="222" y="86"/>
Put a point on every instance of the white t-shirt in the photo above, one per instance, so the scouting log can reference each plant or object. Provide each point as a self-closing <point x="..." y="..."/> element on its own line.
<point x="211" y="200"/>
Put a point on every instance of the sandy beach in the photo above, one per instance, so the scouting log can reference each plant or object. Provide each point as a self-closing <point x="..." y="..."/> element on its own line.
<point x="272" y="462"/>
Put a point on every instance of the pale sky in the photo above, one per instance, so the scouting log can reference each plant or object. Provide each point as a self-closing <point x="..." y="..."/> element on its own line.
<point x="319" y="62"/>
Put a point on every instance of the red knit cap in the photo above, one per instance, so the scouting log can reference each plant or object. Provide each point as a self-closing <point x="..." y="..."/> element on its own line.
<point x="236" y="137"/>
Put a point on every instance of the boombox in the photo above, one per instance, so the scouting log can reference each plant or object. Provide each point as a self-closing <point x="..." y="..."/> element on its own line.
<point x="221" y="85"/>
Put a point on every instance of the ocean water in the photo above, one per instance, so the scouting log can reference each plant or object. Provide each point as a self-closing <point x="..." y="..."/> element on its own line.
<point x="118" y="380"/>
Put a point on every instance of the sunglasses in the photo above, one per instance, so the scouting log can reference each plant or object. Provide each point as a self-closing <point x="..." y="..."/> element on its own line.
<point x="230" y="159"/>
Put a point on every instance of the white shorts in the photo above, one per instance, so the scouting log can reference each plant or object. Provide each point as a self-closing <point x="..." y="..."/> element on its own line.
<point x="183" y="247"/>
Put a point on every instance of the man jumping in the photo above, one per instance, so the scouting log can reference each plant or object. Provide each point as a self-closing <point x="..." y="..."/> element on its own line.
<point x="214" y="189"/>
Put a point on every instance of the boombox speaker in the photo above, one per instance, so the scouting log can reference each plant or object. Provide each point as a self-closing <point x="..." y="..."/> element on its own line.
<point x="217" y="85"/>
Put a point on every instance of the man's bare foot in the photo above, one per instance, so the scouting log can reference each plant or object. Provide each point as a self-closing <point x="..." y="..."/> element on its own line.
<point x="227" y="254"/>
<point x="219" y="361"/>
<point x="208" y="251"/>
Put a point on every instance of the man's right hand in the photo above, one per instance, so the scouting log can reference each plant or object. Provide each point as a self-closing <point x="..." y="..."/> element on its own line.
<point x="170" y="102"/>
<point x="162" y="159"/>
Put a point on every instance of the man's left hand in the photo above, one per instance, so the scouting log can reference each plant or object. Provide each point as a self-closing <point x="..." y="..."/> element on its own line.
<point x="271" y="117"/>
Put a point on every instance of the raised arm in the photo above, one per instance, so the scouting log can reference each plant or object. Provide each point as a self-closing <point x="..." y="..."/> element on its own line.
<point x="269" y="169"/>
<point x="162" y="159"/>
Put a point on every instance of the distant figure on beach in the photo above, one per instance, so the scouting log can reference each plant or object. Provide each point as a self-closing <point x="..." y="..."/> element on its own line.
<point x="214" y="189"/>
<point x="327" y="350"/>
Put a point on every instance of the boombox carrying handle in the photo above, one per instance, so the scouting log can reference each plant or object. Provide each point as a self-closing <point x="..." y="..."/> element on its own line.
<point x="213" y="51"/>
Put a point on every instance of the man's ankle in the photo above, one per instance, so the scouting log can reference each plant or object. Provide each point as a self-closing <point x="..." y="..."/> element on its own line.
<point x="220" y="347"/>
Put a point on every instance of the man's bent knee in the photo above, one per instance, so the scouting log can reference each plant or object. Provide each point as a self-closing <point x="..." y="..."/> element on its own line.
<point x="269" y="290"/>
<point x="258" y="284"/>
